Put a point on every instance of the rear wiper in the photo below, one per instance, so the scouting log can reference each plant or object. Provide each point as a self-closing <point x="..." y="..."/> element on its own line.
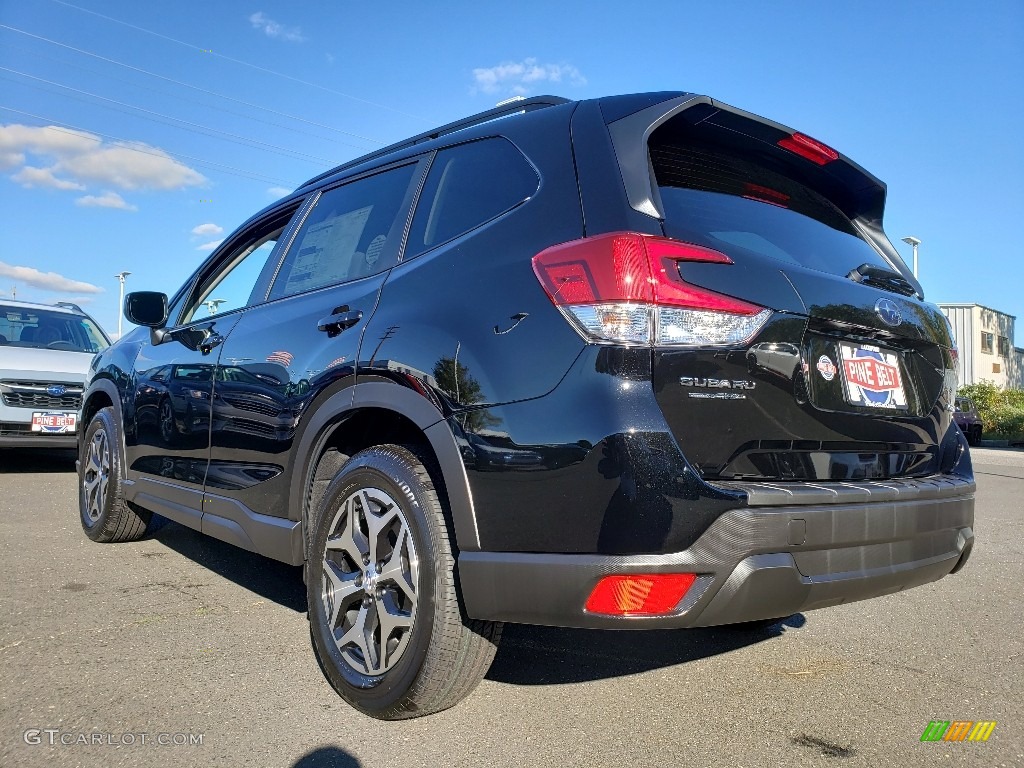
<point x="879" y="277"/>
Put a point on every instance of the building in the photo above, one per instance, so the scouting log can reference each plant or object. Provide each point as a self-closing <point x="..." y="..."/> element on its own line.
<point x="985" y="339"/>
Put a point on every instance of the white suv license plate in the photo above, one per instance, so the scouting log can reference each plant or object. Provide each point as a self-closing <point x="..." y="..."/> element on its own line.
<point x="54" y="423"/>
<point x="871" y="377"/>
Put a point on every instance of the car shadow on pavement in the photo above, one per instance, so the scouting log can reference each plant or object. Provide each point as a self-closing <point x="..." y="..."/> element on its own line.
<point x="21" y="460"/>
<point x="531" y="655"/>
<point x="527" y="655"/>
<point x="270" y="579"/>
<point x="327" y="757"/>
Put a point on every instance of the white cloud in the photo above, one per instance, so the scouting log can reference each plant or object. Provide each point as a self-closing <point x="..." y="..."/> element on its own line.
<point x="273" y="29"/>
<point x="43" y="177"/>
<point x="10" y="159"/>
<point x="47" y="281"/>
<point x="277" y="192"/>
<point x="48" y="140"/>
<point x="210" y="245"/>
<point x="520" y="77"/>
<point x="205" y="230"/>
<point x="125" y="166"/>
<point x="106" y="200"/>
<point x="81" y="158"/>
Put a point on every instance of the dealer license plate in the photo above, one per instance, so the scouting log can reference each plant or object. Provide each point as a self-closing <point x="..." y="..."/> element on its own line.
<point x="54" y="423"/>
<point x="872" y="377"/>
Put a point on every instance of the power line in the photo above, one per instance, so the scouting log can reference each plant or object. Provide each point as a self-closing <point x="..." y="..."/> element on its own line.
<point x="189" y="85"/>
<point x="130" y="145"/>
<point x="235" y="138"/>
<point x="80" y="68"/>
<point x="208" y="52"/>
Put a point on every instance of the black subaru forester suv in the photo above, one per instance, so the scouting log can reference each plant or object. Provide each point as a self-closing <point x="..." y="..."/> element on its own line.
<point x="632" y="362"/>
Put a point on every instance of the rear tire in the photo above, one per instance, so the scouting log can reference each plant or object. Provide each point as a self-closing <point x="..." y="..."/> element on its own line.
<point x="104" y="514"/>
<point x="385" y="619"/>
<point x="974" y="436"/>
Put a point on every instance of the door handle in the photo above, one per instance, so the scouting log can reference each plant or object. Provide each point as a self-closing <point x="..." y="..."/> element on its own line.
<point x="341" y="319"/>
<point x="213" y="340"/>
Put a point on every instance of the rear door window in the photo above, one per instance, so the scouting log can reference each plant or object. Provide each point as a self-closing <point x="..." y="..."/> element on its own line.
<point x="736" y="205"/>
<point x="468" y="185"/>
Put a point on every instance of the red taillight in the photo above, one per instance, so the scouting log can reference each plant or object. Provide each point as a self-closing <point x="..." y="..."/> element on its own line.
<point x="626" y="287"/>
<point x="629" y="267"/>
<point x="642" y="594"/>
<point x="809" y="148"/>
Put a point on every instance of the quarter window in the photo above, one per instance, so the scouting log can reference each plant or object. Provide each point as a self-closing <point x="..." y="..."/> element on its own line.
<point x="352" y="231"/>
<point x="468" y="185"/>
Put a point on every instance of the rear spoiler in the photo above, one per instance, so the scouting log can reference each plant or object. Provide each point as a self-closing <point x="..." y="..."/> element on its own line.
<point x="862" y="193"/>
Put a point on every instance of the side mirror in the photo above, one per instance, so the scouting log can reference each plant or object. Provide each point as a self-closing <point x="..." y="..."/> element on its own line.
<point x="147" y="308"/>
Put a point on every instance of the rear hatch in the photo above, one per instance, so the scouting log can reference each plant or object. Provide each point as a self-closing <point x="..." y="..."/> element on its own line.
<point x="853" y="375"/>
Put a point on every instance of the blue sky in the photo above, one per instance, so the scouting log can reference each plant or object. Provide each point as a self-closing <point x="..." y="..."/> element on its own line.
<point x="172" y="122"/>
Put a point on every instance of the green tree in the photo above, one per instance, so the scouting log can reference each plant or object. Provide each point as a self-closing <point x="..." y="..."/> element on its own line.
<point x="453" y="378"/>
<point x="1001" y="410"/>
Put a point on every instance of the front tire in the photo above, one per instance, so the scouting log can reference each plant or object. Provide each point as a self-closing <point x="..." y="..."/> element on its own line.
<point x="385" y="618"/>
<point x="105" y="515"/>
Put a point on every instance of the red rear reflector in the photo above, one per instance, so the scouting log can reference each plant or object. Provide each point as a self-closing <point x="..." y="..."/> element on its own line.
<point x="630" y="267"/>
<point x="648" y="593"/>
<point x="809" y="148"/>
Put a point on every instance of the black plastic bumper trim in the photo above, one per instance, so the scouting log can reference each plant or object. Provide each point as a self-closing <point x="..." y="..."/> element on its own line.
<point x="749" y="563"/>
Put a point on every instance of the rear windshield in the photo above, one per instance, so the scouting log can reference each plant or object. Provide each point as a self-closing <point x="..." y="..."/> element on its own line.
<point x="45" y="329"/>
<point x="735" y="205"/>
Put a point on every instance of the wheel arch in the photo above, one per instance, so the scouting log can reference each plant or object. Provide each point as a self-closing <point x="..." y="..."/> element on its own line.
<point x="376" y="413"/>
<point x="103" y="393"/>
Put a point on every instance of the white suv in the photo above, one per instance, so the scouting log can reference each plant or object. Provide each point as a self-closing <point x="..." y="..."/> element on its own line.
<point x="45" y="353"/>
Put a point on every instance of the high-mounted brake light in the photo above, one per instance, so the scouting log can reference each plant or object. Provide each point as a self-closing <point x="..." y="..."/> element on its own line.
<point x="626" y="287"/>
<point x="765" y="195"/>
<point x="809" y="148"/>
<point x="639" y="594"/>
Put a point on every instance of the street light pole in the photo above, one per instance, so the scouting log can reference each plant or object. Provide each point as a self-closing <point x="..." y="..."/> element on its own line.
<point x="120" y="304"/>
<point x="213" y="304"/>
<point x="913" y="242"/>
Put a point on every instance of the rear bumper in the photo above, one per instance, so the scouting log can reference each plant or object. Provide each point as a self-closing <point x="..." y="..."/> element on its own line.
<point x="792" y="549"/>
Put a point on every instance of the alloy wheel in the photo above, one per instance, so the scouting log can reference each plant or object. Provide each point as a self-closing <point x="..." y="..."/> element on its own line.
<point x="166" y="417"/>
<point x="96" y="475"/>
<point x="370" y="575"/>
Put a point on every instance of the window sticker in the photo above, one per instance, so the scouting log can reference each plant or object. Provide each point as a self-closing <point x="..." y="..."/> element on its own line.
<point x="325" y="254"/>
<point x="373" y="250"/>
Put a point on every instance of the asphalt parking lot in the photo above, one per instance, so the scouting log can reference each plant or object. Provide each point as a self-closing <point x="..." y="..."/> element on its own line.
<point x="202" y="651"/>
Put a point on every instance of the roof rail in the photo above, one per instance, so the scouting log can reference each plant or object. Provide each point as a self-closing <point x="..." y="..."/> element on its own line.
<point x="69" y="305"/>
<point x="503" y="109"/>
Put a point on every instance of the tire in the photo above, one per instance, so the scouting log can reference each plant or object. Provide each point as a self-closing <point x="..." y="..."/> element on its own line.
<point x="432" y="656"/>
<point x="974" y="436"/>
<point x="104" y="514"/>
